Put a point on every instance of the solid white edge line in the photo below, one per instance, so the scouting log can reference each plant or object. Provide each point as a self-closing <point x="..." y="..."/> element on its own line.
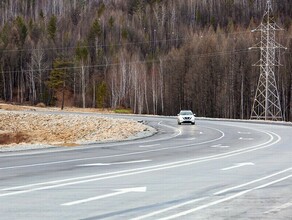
<point x="251" y="182"/>
<point x="134" y="171"/>
<point x="194" y="161"/>
<point x="117" y="155"/>
<point x="169" y="208"/>
<point x="116" y="174"/>
<point x="279" y="208"/>
<point x="187" y="212"/>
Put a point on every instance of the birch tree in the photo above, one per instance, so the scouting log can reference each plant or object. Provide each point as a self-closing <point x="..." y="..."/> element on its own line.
<point x="38" y="67"/>
<point x="82" y="57"/>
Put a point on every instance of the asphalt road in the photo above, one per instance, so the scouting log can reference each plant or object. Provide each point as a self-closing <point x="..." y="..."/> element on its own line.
<point x="211" y="170"/>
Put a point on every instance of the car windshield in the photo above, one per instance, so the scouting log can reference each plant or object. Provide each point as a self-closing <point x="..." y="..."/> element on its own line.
<point x="186" y="113"/>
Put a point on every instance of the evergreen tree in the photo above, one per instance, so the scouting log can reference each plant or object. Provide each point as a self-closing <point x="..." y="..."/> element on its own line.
<point x="52" y="28"/>
<point x="59" y="77"/>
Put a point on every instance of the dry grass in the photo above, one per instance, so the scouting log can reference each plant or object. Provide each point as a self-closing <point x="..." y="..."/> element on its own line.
<point x="9" y="107"/>
<point x="42" y="107"/>
<point x="13" y="138"/>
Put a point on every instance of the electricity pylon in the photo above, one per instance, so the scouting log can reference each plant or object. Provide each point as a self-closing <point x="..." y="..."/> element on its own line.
<point x="266" y="104"/>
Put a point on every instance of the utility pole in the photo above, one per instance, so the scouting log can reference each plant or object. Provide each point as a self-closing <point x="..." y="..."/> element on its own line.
<point x="266" y="104"/>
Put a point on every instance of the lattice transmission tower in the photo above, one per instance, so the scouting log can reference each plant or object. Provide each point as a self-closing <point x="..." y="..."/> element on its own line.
<point x="266" y="104"/>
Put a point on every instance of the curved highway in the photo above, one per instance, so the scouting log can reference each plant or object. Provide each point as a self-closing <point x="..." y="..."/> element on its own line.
<point x="211" y="170"/>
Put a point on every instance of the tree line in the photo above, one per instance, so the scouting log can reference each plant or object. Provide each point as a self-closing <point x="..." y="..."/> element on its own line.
<point x="151" y="56"/>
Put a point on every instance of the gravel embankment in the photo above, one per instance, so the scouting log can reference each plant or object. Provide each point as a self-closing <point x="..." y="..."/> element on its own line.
<point x="64" y="130"/>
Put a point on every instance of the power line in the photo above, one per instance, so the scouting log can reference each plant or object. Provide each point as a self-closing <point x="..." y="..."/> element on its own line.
<point x="203" y="55"/>
<point x="121" y="44"/>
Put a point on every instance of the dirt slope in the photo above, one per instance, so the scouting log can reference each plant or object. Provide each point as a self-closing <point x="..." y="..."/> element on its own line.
<point x="67" y="130"/>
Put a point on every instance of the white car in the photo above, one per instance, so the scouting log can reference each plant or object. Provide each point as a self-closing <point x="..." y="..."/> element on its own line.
<point x="186" y="116"/>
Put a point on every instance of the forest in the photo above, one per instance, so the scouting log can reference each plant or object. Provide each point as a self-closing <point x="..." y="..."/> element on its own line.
<point x="149" y="56"/>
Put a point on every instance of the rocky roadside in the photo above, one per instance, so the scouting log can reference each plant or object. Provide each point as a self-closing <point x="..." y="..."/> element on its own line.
<point x="41" y="130"/>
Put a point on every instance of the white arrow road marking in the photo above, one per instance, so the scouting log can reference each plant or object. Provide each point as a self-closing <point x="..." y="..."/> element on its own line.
<point x="220" y="146"/>
<point x="22" y="189"/>
<point x="201" y="132"/>
<point x="191" y="139"/>
<point x="118" y="192"/>
<point x="238" y="165"/>
<point x="246" y="139"/>
<point x="243" y="132"/>
<point x="109" y="164"/>
<point x="148" y="146"/>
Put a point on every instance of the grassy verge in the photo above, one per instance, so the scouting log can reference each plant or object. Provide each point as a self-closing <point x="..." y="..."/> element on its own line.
<point x="123" y="111"/>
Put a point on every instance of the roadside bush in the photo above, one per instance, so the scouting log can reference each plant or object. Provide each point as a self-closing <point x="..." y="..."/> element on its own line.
<point x="41" y="105"/>
<point x="13" y="138"/>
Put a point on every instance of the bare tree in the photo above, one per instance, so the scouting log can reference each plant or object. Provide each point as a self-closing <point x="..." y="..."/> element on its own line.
<point x="82" y="56"/>
<point x="39" y="66"/>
